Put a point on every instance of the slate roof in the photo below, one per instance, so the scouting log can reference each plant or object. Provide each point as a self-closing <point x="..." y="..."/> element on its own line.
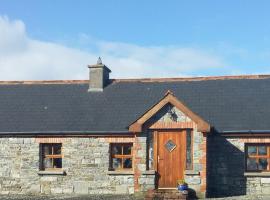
<point x="228" y="105"/>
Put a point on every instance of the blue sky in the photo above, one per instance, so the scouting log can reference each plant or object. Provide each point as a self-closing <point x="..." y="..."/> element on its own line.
<point x="134" y="38"/>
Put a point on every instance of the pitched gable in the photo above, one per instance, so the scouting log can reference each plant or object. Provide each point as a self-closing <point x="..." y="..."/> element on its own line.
<point x="183" y="112"/>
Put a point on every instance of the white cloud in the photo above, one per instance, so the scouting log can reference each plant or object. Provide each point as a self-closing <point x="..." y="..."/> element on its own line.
<point x="25" y="58"/>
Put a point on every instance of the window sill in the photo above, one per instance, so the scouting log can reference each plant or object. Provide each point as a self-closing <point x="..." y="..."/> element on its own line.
<point x="192" y="172"/>
<point x="60" y="172"/>
<point x="257" y="174"/>
<point x="120" y="172"/>
<point x="149" y="172"/>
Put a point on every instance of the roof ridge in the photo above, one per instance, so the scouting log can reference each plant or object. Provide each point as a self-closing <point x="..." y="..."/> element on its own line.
<point x="198" y="78"/>
<point x="44" y="82"/>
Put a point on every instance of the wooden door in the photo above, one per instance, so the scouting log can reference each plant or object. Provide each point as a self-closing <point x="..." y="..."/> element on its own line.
<point x="171" y="157"/>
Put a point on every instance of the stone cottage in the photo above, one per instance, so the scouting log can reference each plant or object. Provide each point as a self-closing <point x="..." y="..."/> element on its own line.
<point x="115" y="136"/>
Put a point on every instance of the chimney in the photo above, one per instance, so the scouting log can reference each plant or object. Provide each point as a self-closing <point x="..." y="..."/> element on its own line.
<point x="99" y="76"/>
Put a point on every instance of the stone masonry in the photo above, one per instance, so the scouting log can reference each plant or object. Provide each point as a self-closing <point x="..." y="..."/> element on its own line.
<point x="196" y="178"/>
<point x="86" y="163"/>
<point x="143" y="180"/>
<point x="226" y="168"/>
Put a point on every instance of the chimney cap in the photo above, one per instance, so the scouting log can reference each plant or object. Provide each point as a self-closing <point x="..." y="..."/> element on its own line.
<point x="100" y="65"/>
<point x="99" y="61"/>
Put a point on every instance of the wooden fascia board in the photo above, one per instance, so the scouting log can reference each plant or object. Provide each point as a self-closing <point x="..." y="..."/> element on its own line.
<point x="202" y="125"/>
<point x="153" y="111"/>
<point x="251" y="135"/>
<point x="135" y="127"/>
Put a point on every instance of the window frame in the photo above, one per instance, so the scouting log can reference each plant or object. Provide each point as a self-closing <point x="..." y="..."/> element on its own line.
<point x="257" y="156"/>
<point x="121" y="156"/>
<point x="191" y="149"/>
<point x="50" y="156"/>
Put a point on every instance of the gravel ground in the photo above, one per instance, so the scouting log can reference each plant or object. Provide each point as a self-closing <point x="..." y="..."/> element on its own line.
<point x="112" y="197"/>
<point x="250" y="197"/>
<point x="86" y="197"/>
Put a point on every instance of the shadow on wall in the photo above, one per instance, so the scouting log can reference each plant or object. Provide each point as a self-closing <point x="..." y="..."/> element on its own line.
<point x="192" y="194"/>
<point x="225" y="167"/>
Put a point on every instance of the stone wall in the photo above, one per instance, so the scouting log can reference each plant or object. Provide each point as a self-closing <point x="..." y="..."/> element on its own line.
<point x="143" y="180"/>
<point x="86" y="163"/>
<point x="196" y="178"/>
<point x="226" y="168"/>
<point x="258" y="185"/>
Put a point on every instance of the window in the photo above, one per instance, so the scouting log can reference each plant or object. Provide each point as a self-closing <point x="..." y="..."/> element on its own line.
<point x="51" y="156"/>
<point x="150" y="154"/>
<point x="257" y="157"/>
<point x="121" y="156"/>
<point x="188" y="149"/>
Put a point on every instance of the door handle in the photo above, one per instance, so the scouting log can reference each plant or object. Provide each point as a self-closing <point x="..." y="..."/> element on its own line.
<point x="159" y="158"/>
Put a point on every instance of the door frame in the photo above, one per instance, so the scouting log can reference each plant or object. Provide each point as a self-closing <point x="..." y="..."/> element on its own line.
<point x="156" y="146"/>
